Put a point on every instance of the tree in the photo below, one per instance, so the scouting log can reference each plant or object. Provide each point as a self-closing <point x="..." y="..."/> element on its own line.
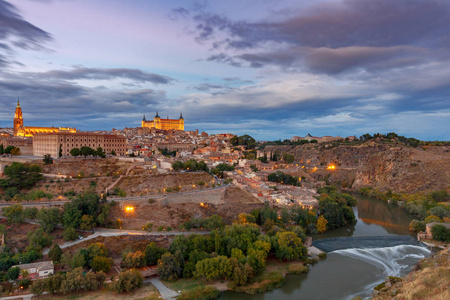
<point x="214" y="268"/>
<point x="416" y="226"/>
<point x="86" y="151"/>
<point x="38" y="239"/>
<point x="75" y="152"/>
<point x="15" y="151"/>
<point x="93" y="281"/>
<point x="53" y="283"/>
<point x="55" y="253"/>
<point x="440" y="233"/>
<point x="177" y="165"/>
<point x="49" y="218"/>
<point x="113" y="153"/>
<point x="2" y="149"/>
<point x="289" y="246"/>
<point x="14" y="213"/>
<point x="69" y="234"/>
<point x="170" y="266"/>
<point x="47" y="159"/>
<point x="100" y="263"/>
<point x="21" y="176"/>
<point x="288" y="158"/>
<point x="128" y="281"/>
<point x="74" y="281"/>
<point x="72" y="215"/>
<point x="13" y="273"/>
<point x="322" y="224"/>
<point x="87" y="222"/>
<point x="153" y="253"/>
<point x="134" y="260"/>
<point x="97" y="249"/>
<point x="73" y="261"/>
<point x="38" y="287"/>
<point x="432" y="219"/>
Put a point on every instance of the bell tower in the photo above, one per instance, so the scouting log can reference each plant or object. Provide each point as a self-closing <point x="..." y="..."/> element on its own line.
<point x="18" y="119"/>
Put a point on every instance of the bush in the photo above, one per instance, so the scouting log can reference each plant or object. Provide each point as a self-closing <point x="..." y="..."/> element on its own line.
<point x="322" y="255"/>
<point x="201" y="292"/>
<point x="148" y="227"/>
<point x="70" y="234"/>
<point x="432" y="219"/>
<point x="128" y="281"/>
<point x="100" y="263"/>
<point x="298" y="268"/>
<point x="440" y="233"/>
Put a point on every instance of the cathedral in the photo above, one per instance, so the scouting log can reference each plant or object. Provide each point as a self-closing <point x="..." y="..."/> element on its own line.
<point x="20" y="130"/>
<point x="164" y="124"/>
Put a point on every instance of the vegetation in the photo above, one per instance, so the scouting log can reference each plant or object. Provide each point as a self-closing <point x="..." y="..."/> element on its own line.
<point x="128" y="281"/>
<point x="281" y="177"/>
<point x="202" y="292"/>
<point x="19" y="176"/>
<point x="190" y="165"/>
<point x="220" y="168"/>
<point x="440" y="233"/>
<point x="243" y="140"/>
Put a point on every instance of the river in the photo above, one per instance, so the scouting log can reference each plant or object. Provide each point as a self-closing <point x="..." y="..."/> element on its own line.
<point x="360" y="256"/>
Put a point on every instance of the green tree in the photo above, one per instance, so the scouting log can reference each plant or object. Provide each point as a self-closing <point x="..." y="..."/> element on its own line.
<point x="170" y="266"/>
<point x="322" y="224"/>
<point x="75" y="152"/>
<point x="47" y="159"/>
<point x="2" y="149"/>
<point x="21" y="176"/>
<point x="153" y="253"/>
<point x="289" y="246"/>
<point x="49" y="218"/>
<point x="416" y="226"/>
<point x="73" y="261"/>
<point x="38" y="287"/>
<point x="53" y="283"/>
<point x="99" y="152"/>
<point x="14" y="213"/>
<point x="13" y="273"/>
<point x="432" y="219"/>
<point x="93" y="281"/>
<point x="214" y="268"/>
<point x="440" y="233"/>
<point x="134" y="260"/>
<point x="38" y="239"/>
<point x="288" y="158"/>
<point x="128" y="281"/>
<point x="177" y="165"/>
<point x="87" y="222"/>
<point x="70" y="234"/>
<point x="55" y="253"/>
<point x="74" y="282"/>
<point x="86" y="151"/>
<point x="101" y="263"/>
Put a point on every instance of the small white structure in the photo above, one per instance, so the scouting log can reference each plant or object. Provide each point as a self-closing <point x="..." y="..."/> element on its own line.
<point x="41" y="269"/>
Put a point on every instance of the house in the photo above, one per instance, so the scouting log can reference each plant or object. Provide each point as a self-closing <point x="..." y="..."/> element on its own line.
<point x="38" y="269"/>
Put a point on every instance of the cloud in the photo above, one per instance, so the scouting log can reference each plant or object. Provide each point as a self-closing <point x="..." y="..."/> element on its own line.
<point x="103" y="74"/>
<point x="333" y="37"/>
<point x="19" y="32"/>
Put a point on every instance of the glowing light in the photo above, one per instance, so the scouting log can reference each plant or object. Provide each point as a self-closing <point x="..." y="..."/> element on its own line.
<point x="129" y="209"/>
<point x="202" y="204"/>
<point x="331" y="167"/>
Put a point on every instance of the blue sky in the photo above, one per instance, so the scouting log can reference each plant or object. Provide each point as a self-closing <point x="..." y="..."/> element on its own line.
<point x="271" y="69"/>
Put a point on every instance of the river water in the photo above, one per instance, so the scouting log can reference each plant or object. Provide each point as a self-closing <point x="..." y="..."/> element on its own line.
<point x="360" y="256"/>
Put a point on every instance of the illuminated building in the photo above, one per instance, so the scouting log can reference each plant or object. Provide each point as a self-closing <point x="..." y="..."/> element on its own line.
<point x="20" y="130"/>
<point x="59" y="144"/>
<point x="164" y="124"/>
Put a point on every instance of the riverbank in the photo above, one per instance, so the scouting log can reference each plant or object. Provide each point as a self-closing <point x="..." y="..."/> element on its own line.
<point x="428" y="280"/>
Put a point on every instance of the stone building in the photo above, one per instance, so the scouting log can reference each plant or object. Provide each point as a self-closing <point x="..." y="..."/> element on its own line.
<point x="59" y="144"/>
<point x="20" y="130"/>
<point x="165" y="124"/>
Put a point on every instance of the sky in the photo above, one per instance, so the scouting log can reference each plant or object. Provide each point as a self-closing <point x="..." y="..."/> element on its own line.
<point x="270" y="69"/>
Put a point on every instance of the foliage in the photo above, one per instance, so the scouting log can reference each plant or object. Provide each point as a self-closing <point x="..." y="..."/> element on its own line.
<point x="440" y="233"/>
<point x="21" y="176"/>
<point x="153" y="253"/>
<point x="416" y="226"/>
<point x="70" y="234"/>
<point x="212" y="222"/>
<point x="170" y="266"/>
<point x="201" y="293"/>
<point x="289" y="246"/>
<point x="244" y="140"/>
<point x="191" y="165"/>
<point x="55" y="253"/>
<point x="288" y="158"/>
<point x="100" y="263"/>
<point x="322" y="224"/>
<point x="87" y="222"/>
<point x="14" y="213"/>
<point x="214" y="268"/>
<point x="75" y="152"/>
<point x="220" y="168"/>
<point x="148" y="227"/>
<point x="74" y="261"/>
<point x="134" y="260"/>
<point x="432" y="219"/>
<point x="13" y="273"/>
<point x="281" y="177"/>
<point x="298" y="268"/>
<point x="47" y="159"/>
<point x="49" y="218"/>
<point x="128" y="281"/>
<point x="39" y="239"/>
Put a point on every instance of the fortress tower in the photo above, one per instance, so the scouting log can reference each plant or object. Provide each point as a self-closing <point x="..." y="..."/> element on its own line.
<point x="18" y="119"/>
<point x="165" y="124"/>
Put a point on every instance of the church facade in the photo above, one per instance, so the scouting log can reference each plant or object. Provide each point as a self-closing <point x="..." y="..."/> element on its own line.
<point x="164" y="124"/>
<point x="20" y="130"/>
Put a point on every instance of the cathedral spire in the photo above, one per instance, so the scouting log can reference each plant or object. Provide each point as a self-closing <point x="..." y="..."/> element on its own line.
<point x="157" y="116"/>
<point x="144" y="118"/>
<point x="18" y="103"/>
<point x="181" y="115"/>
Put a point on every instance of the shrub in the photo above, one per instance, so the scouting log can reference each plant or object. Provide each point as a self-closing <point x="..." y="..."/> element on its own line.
<point x="201" y="292"/>
<point x="70" y="234"/>
<point x="147" y="227"/>
<point x="432" y="219"/>
<point x="128" y="281"/>
<point x="440" y="233"/>
<point x="100" y="263"/>
<point x="298" y="268"/>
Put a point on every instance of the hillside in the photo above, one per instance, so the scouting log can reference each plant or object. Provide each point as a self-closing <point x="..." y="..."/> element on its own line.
<point x="379" y="164"/>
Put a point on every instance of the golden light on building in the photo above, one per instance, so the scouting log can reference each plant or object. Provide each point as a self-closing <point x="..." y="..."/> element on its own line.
<point x="165" y="124"/>
<point x="331" y="167"/>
